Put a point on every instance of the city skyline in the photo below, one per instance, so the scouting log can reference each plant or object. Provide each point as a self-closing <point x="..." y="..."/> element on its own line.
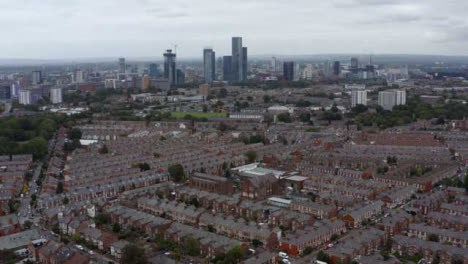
<point x="340" y="26"/>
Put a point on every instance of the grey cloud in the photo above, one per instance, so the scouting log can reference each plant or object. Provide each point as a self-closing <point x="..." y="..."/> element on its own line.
<point x="38" y="29"/>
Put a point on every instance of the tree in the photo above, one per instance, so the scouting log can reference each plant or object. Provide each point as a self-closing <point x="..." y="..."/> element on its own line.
<point x="75" y="133"/>
<point x="433" y="237"/>
<point x="133" y="254"/>
<point x="360" y="108"/>
<point x="334" y="237"/>
<point x="235" y="254"/>
<point x="222" y="127"/>
<point x="177" y="172"/>
<point x="307" y="251"/>
<point x="304" y="117"/>
<point x="256" y="243"/>
<point x="251" y="156"/>
<point x="284" y="117"/>
<point x="27" y="224"/>
<point x="102" y="219"/>
<point x="191" y="246"/>
<point x="37" y="146"/>
<point x="59" y="188"/>
<point x="322" y="256"/>
<point x="222" y="93"/>
<point x="144" y="166"/>
<point x="466" y="182"/>
<point x="116" y="228"/>
<point x="65" y="200"/>
<point x="104" y="149"/>
<point x="8" y="256"/>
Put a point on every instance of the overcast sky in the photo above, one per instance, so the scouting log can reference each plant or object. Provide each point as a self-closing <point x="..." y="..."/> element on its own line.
<point x="53" y="29"/>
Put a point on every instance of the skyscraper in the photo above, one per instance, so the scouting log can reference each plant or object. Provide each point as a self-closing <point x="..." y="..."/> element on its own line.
<point x="354" y="65"/>
<point x="56" y="95"/>
<point x="170" y="70"/>
<point x="153" y="70"/>
<point x="336" y="68"/>
<point x="209" y="65"/>
<point x="273" y="64"/>
<point x="180" y="75"/>
<point x="288" y="70"/>
<point x="122" y="66"/>
<point x="244" y="64"/>
<point x="237" y="59"/>
<point x="36" y="77"/>
<point x="227" y="68"/>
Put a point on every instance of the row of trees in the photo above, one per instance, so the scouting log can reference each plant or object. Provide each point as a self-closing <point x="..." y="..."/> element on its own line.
<point x="412" y="111"/>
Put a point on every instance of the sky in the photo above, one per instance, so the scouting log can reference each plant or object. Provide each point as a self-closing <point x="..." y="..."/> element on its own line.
<point x="65" y="29"/>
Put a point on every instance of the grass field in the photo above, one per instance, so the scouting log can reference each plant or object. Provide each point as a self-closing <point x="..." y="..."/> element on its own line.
<point x="197" y="114"/>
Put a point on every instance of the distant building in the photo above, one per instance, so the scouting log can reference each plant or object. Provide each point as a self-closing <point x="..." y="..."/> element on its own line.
<point x="79" y="76"/>
<point x="236" y="59"/>
<point x="170" y="70"/>
<point x="336" y="68"/>
<point x="288" y="70"/>
<point x="5" y="92"/>
<point x="145" y="82"/>
<point x="36" y="77"/>
<point x="358" y="97"/>
<point x="273" y="64"/>
<point x="209" y="65"/>
<point x="355" y="87"/>
<point x="227" y="68"/>
<point x="25" y="97"/>
<point x="56" y="95"/>
<point x="160" y="84"/>
<point x="153" y="70"/>
<point x="239" y="60"/>
<point x="244" y="63"/>
<point x="390" y="98"/>
<point x="122" y="66"/>
<point x="204" y="90"/>
<point x="180" y="76"/>
<point x="354" y="65"/>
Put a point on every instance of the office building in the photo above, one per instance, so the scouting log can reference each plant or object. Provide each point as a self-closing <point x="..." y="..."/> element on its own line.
<point x="145" y="82"/>
<point x="288" y="70"/>
<point x="273" y="64"/>
<point x="5" y="92"/>
<point x="244" y="63"/>
<point x="336" y="68"/>
<point x="153" y="70"/>
<point x="227" y="68"/>
<point x="122" y="66"/>
<point x="358" y="97"/>
<point x="354" y="65"/>
<point x="170" y="70"/>
<point x="14" y="89"/>
<point x="209" y="65"/>
<point x="79" y="76"/>
<point x="56" y="95"/>
<point x="239" y="60"/>
<point x="391" y="98"/>
<point x="25" y="97"/>
<point x="180" y="76"/>
<point x="36" y="77"/>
